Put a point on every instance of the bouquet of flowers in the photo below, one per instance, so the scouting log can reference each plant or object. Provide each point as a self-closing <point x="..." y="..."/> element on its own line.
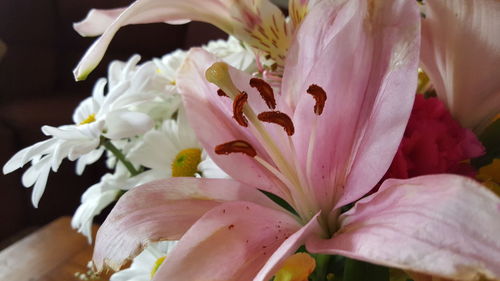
<point x="351" y="140"/>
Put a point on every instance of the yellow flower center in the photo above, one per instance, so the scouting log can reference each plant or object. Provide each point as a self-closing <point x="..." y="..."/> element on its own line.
<point x="186" y="162"/>
<point x="490" y="176"/>
<point x="158" y="262"/>
<point x="88" y="120"/>
<point x="297" y="267"/>
<point x="424" y="82"/>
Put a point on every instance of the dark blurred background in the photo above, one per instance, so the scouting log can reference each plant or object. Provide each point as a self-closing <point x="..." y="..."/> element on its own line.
<point x="37" y="88"/>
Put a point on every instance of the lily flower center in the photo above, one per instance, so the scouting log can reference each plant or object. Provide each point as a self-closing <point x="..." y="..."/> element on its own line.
<point x="88" y="120"/>
<point x="157" y="264"/>
<point x="186" y="162"/>
<point x="283" y="164"/>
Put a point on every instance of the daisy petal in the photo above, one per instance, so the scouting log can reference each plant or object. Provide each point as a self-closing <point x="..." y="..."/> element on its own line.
<point x="124" y="124"/>
<point x="27" y="154"/>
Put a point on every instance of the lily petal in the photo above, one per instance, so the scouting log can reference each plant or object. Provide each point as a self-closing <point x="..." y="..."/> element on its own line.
<point x="371" y="48"/>
<point x="230" y="242"/>
<point x="259" y="23"/>
<point x="97" y="20"/>
<point x="210" y="117"/>
<point x="461" y="55"/>
<point x="441" y="225"/>
<point x="143" y="213"/>
<point x="298" y="10"/>
<point x="288" y="248"/>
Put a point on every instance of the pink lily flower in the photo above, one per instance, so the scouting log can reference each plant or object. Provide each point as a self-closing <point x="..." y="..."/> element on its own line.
<point x="260" y="23"/>
<point x="461" y="55"/>
<point x="346" y="96"/>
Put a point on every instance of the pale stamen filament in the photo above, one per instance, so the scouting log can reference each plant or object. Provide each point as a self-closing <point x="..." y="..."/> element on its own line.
<point x="302" y="177"/>
<point x="295" y="201"/>
<point x="310" y="148"/>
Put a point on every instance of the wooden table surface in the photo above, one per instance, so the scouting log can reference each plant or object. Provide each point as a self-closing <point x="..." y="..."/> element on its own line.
<point x="53" y="253"/>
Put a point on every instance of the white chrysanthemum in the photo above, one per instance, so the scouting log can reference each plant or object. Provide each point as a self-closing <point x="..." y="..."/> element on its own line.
<point x="233" y="52"/>
<point x="173" y="151"/>
<point x="146" y="263"/>
<point x="168" y="66"/>
<point x="110" y="115"/>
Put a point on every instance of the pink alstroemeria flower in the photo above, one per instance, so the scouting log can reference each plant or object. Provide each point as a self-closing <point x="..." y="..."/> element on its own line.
<point x="259" y="23"/>
<point x="346" y="96"/>
<point x="461" y="55"/>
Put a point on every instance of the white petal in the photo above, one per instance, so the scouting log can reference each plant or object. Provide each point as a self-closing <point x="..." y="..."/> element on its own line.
<point x="27" y="154"/>
<point x="41" y="180"/>
<point x="87" y="159"/>
<point x="156" y="151"/>
<point x="123" y="124"/>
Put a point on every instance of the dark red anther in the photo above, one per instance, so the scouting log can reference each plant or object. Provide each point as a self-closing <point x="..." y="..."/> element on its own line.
<point x="221" y="93"/>
<point x="319" y="96"/>
<point x="279" y="118"/>
<point x="238" y="103"/>
<point x="237" y="146"/>
<point x="265" y="91"/>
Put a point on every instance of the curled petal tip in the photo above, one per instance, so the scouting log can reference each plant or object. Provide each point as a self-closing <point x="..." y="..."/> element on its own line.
<point x="86" y="65"/>
<point x="77" y="28"/>
<point x="81" y="75"/>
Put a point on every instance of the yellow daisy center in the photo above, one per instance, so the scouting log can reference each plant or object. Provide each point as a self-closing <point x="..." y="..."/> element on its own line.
<point x="186" y="162"/>
<point x="158" y="262"/>
<point x="88" y="120"/>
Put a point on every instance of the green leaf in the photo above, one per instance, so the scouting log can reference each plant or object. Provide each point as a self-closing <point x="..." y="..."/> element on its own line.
<point x="398" y="275"/>
<point x="355" y="270"/>
<point x="280" y="201"/>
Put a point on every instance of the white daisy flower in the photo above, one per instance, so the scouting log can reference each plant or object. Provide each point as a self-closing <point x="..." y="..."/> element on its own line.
<point x="145" y="265"/>
<point x="107" y="115"/>
<point x="94" y="200"/>
<point x="173" y="151"/>
<point x="168" y="66"/>
<point x="102" y="194"/>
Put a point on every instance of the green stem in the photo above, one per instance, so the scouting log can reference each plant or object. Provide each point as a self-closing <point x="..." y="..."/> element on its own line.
<point x="321" y="267"/>
<point x="119" y="155"/>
